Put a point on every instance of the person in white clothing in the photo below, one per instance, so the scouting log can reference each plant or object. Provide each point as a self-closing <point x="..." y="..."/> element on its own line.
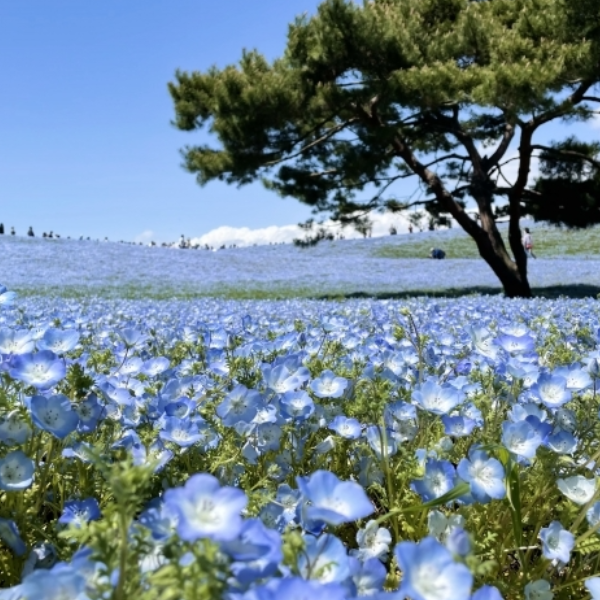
<point x="528" y="243"/>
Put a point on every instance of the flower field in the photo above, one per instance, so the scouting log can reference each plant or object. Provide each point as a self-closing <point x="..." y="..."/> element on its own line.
<point x="431" y="449"/>
<point x="340" y="268"/>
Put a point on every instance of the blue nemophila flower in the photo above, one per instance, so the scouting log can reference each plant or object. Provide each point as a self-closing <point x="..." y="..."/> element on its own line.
<point x="58" y="341"/>
<point x="241" y="404"/>
<point x="324" y="558"/>
<point x="441" y="526"/>
<point x="297" y="588"/>
<point x="552" y="390"/>
<point x="43" y="555"/>
<point x="439" y="478"/>
<point x="557" y="542"/>
<point x="205" y="509"/>
<point x="158" y="520"/>
<point x="521" y="438"/>
<point x="458" y="542"/>
<point x="520" y="412"/>
<point x="280" y="379"/>
<point x="14" y="429"/>
<point x="181" y="408"/>
<point x="158" y="455"/>
<point x="430" y="573"/>
<point x="368" y="577"/>
<point x="9" y="534"/>
<point x="487" y="592"/>
<point x="334" y="501"/>
<point x="565" y="419"/>
<point x="516" y="344"/>
<point x="373" y="542"/>
<point x="578" y="489"/>
<point x="79" y="512"/>
<point x="297" y="405"/>
<point x="16" y="341"/>
<point x="484" y="343"/>
<point x="60" y="582"/>
<point x="457" y="426"/>
<point x="329" y="385"/>
<point x="16" y="471"/>
<point x="561" y="442"/>
<point x="381" y="440"/>
<point x="80" y="450"/>
<point x="131" y="366"/>
<point x="577" y="377"/>
<point x="288" y="499"/>
<point x="484" y="475"/>
<point x="132" y="337"/>
<point x="130" y="441"/>
<point x="470" y="411"/>
<point x="266" y="563"/>
<point x="42" y="369"/>
<point x="538" y="590"/>
<point x="6" y="297"/>
<point x="90" y="411"/>
<point x="251" y="543"/>
<point x="182" y="432"/>
<point x="593" y="368"/>
<point x="155" y="366"/>
<point x="437" y="399"/>
<point x="346" y="427"/>
<point x="268" y="436"/>
<point x="54" y="414"/>
<point x="593" y="514"/>
<point x="400" y="411"/>
<point x="592" y="585"/>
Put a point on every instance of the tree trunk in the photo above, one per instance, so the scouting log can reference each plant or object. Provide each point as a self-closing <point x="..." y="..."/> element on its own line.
<point x="514" y="283"/>
<point x="512" y="274"/>
<point x="492" y="249"/>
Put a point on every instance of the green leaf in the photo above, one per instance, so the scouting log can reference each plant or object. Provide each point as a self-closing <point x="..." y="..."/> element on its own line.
<point x="589" y="545"/>
<point x="513" y="493"/>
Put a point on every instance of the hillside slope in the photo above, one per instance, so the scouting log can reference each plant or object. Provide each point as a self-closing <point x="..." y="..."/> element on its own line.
<point x="339" y="268"/>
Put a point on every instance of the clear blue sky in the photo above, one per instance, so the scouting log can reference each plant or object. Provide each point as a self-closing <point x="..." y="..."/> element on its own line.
<point x="86" y="145"/>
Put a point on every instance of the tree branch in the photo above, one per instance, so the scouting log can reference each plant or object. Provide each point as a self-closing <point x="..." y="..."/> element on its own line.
<point x="316" y="142"/>
<point x="507" y="137"/>
<point x="567" y="153"/>
<point x="567" y="104"/>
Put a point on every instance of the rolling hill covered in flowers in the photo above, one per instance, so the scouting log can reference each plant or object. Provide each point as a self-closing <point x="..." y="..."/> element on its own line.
<point x="373" y="267"/>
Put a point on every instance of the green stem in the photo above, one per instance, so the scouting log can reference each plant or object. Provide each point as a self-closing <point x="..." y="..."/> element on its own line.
<point x="123" y="527"/>
<point x="43" y="480"/>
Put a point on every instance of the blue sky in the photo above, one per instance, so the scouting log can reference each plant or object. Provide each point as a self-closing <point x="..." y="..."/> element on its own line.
<point x="86" y="145"/>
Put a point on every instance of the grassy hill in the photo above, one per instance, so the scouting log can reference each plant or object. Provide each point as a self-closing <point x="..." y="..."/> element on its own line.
<point x="391" y="266"/>
<point x="549" y="242"/>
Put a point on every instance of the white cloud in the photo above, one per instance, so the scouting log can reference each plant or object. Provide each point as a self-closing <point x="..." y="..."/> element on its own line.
<point x="244" y="236"/>
<point x="595" y="122"/>
<point x="145" y="237"/>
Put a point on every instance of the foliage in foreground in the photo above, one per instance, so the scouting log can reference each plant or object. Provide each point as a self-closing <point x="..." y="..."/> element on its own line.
<point x="435" y="450"/>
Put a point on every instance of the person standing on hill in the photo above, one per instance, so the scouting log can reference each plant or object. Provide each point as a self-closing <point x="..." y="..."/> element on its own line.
<point x="528" y="243"/>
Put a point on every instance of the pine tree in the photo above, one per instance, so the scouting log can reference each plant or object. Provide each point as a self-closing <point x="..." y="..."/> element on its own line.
<point x="447" y="93"/>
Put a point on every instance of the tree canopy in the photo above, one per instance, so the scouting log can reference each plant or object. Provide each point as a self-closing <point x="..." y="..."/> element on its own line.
<point x="447" y="93"/>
